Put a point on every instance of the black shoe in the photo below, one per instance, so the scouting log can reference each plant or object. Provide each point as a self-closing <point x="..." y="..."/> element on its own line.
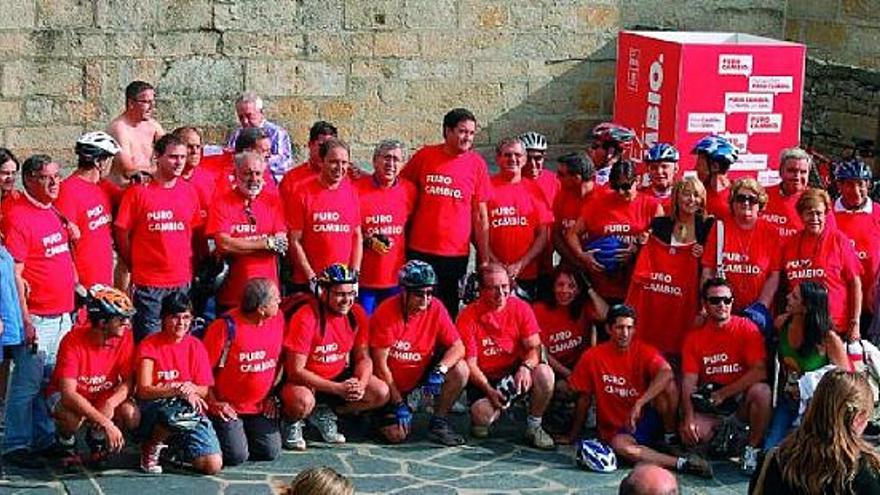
<point x="57" y="450"/>
<point x="23" y="458"/>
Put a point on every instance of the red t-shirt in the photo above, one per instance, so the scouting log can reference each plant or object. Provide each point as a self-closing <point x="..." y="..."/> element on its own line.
<point x="114" y="193"/>
<point x="87" y="205"/>
<point x="327" y="219"/>
<point x="863" y="229"/>
<point x="495" y="337"/>
<point x="617" y="379"/>
<point x="749" y="257"/>
<point x="35" y="236"/>
<point x="204" y="182"/>
<point x="610" y="214"/>
<point x="252" y="362"/>
<point x="515" y="215"/>
<point x="184" y="361"/>
<point x="222" y="167"/>
<point x="565" y="338"/>
<point x="781" y="212"/>
<point x="829" y="259"/>
<point x="449" y="188"/>
<point x="227" y="215"/>
<point x="717" y="203"/>
<point x="97" y="369"/>
<point x="160" y="222"/>
<point x="664" y="277"/>
<point x="384" y="211"/>
<point x="329" y="353"/>
<point x="413" y="342"/>
<point x="722" y="354"/>
<point x="9" y="199"/>
<point x="294" y="178"/>
<point x="548" y="184"/>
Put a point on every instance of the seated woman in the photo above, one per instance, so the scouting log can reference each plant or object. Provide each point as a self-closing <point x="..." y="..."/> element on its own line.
<point x="172" y="364"/>
<point x="806" y="343"/>
<point x="826" y="454"/>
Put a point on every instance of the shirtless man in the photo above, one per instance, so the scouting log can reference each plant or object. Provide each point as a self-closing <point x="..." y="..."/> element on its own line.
<point x="136" y="131"/>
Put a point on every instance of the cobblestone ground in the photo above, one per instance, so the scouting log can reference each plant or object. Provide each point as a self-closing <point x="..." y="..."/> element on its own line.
<point x="500" y="464"/>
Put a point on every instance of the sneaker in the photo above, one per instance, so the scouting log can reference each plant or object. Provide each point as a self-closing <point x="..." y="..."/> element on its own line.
<point x="539" y="438"/>
<point x="293" y="436"/>
<point x="480" y="431"/>
<point x="150" y="452"/>
<point x="749" y="460"/>
<point x="324" y="419"/>
<point x="697" y="466"/>
<point x="443" y="434"/>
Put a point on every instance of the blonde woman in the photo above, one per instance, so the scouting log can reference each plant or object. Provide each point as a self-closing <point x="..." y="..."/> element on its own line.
<point x="826" y="454"/>
<point x="320" y="481"/>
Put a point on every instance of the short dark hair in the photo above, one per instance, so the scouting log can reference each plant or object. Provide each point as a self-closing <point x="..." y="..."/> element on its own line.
<point x="165" y="142"/>
<point x="248" y="137"/>
<point x="580" y="164"/>
<point x="622" y="172"/>
<point x="456" y="115"/>
<point x="711" y="284"/>
<point x="330" y="144"/>
<point x="256" y="293"/>
<point x="180" y="132"/>
<point x="34" y="164"/>
<point x="135" y="88"/>
<point x="6" y="155"/>
<point x="175" y="303"/>
<point x="619" y="311"/>
<point x="322" y="128"/>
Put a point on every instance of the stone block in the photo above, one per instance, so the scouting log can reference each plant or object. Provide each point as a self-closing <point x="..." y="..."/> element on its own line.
<point x="793" y="30"/>
<point x="51" y="78"/>
<point x="320" y="14"/>
<point x="338" y="45"/>
<point x="813" y="9"/>
<point x="65" y="13"/>
<point x="18" y="14"/>
<point x="185" y="14"/>
<point x="124" y="15"/>
<point x="297" y="113"/>
<point x="453" y="70"/>
<point x="480" y="14"/>
<point x="201" y="77"/>
<point x="261" y="45"/>
<point x="10" y="112"/>
<point x="430" y="14"/>
<point x="377" y="14"/>
<point x="598" y="17"/>
<point x="500" y="70"/>
<point x="472" y="45"/>
<point x="861" y="10"/>
<point x="42" y="137"/>
<point x="395" y="44"/>
<point x="15" y="44"/>
<point x="385" y="68"/>
<point x="336" y="110"/>
<point x="181" y="44"/>
<point x="256" y="15"/>
<point x="824" y="35"/>
<point x="280" y="78"/>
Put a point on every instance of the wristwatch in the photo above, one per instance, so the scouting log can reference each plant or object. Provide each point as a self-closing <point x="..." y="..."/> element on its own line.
<point x="442" y="369"/>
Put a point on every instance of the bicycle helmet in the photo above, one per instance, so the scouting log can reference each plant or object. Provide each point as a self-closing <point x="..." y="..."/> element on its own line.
<point x="717" y="149"/>
<point x="662" y="152"/>
<point x="97" y="145"/>
<point x="108" y="302"/>
<point x="611" y="134"/>
<point x="336" y="274"/>
<point x="852" y="169"/>
<point x="606" y="254"/>
<point x="534" y="141"/>
<point x="595" y="456"/>
<point x="416" y="274"/>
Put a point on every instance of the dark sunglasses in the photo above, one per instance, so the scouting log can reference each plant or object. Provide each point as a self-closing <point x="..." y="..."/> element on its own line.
<point x="716" y="300"/>
<point x="746" y="199"/>
<point x="422" y="292"/>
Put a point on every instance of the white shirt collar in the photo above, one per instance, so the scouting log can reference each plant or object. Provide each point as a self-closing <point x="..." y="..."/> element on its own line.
<point x="868" y="207"/>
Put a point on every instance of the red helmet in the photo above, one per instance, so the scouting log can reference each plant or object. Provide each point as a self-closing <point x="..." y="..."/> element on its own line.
<point x="611" y="134"/>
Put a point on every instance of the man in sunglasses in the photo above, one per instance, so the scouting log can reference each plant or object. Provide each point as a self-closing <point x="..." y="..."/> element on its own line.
<point x="414" y="344"/>
<point x="727" y="352"/>
<point x="247" y="226"/>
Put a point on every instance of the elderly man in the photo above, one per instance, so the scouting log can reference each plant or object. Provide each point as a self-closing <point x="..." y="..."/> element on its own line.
<point x="136" y="130"/>
<point x="649" y="479"/>
<point x="37" y="239"/>
<point x="794" y="170"/>
<point x="249" y="109"/>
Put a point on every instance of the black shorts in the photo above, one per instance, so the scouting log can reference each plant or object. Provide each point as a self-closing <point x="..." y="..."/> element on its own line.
<point x="475" y="393"/>
<point x="334" y="400"/>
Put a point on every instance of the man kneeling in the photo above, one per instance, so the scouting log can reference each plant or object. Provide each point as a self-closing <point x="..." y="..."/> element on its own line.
<point x="636" y="396"/>
<point x="92" y="380"/>
<point x="502" y="343"/>
<point x="405" y="332"/>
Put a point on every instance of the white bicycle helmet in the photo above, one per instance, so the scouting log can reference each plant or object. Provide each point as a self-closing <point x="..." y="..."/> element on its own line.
<point x="534" y="141"/>
<point x="96" y="146"/>
<point x="595" y="456"/>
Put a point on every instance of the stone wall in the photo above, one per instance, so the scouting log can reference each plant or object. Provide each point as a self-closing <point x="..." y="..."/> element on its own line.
<point x="381" y="68"/>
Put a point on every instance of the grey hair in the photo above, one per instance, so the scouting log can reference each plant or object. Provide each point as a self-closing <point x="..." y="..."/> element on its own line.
<point x="387" y="145"/>
<point x="242" y="157"/>
<point x="508" y="141"/>
<point x="257" y="292"/>
<point x="250" y="97"/>
<point x="794" y="154"/>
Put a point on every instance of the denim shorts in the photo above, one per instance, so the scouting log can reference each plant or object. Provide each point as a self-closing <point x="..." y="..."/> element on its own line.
<point x="190" y="444"/>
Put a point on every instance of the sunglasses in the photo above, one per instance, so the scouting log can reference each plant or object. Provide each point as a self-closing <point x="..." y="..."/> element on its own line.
<point x="746" y="199"/>
<point x="716" y="300"/>
<point x="421" y="292"/>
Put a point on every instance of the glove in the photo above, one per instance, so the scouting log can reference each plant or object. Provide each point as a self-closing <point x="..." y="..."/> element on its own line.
<point x="379" y="243"/>
<point x="434" y="382"/>
<point x="277" y="243"/>
<point x="403" y="414"/>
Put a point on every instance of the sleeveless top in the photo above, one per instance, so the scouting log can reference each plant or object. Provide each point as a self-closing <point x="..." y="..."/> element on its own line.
<point x="794" y="361"/>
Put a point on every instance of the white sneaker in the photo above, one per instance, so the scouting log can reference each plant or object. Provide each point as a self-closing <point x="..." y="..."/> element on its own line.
<point x="749" y="461"/>
<point x="324" y="419"/>
<point x="293" y="436"/>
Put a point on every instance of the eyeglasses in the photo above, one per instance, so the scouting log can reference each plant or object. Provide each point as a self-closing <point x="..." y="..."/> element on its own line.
<point x="423" y="293"/>
<point x="716" y="300"/>
<point x="746" y="199"/>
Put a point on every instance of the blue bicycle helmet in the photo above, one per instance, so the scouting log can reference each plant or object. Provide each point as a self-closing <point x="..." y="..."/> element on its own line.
<point x="595" y="456"/>
<point x="662" y="152"/>
<point x="852" y="169"/>
<point x="336" y="274"/>
<point x="717" y="149"/>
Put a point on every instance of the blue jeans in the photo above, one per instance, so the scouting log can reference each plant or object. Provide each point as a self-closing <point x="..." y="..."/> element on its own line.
<point x="148" y="303"/>
<point x="784" y="416"/>
<point x="371" y="298"/>
<point x="28" y="423"/>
